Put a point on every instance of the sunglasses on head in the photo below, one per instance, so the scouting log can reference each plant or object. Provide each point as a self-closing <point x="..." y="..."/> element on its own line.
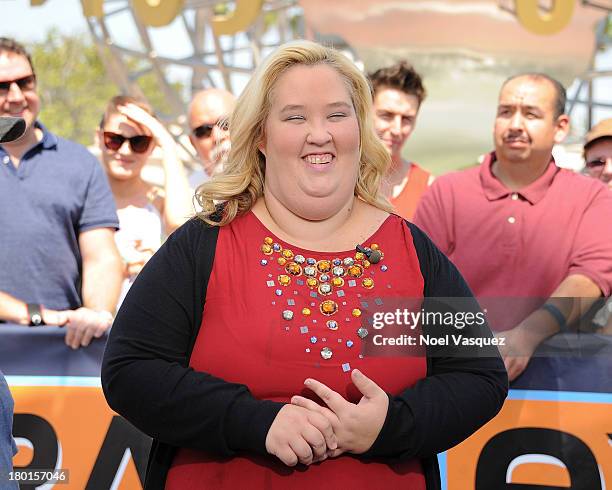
<point x="25" y="83"/>
<point x="205" y="130"/>
<point x="138" y="144"/>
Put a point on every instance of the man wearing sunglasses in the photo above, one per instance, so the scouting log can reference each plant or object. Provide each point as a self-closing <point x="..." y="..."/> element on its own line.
<point x="209" y="112"/>
<point x="58" y="219"/>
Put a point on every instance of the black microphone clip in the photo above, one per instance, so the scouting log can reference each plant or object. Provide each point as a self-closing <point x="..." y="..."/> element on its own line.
<point x="373" y="256"/>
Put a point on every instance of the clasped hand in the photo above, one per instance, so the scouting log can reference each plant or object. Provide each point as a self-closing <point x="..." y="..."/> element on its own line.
<point x="307" y="432"/>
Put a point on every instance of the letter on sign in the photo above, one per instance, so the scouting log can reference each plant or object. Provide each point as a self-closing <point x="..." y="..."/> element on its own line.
<point x="529" y="15"/>
<point x="157" y="13"/>
<point x="243" y="16"/>
<point x="91" y="8"/>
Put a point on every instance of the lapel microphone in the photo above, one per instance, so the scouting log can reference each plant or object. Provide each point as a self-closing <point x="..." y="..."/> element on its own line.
<point x="373" y="256"/>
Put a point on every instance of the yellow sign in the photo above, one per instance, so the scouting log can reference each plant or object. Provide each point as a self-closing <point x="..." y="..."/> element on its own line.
<point x="157" y="13"/>
<point x="528" y="13"/>
<point x="239" y="20"/>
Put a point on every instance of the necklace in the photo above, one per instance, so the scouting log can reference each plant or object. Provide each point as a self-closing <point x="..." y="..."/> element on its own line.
<point x="326" y="281"/>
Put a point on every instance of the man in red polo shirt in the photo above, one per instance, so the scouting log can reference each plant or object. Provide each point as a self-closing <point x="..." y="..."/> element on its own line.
<point x="519" y="227"/>
<point x="398" y="93"/>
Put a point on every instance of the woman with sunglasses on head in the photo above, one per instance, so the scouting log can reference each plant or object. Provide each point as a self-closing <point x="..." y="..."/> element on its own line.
<point x="127" y="136"/>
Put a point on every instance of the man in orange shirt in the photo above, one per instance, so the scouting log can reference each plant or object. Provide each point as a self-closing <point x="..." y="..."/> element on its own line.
<point x="398" y="93"/>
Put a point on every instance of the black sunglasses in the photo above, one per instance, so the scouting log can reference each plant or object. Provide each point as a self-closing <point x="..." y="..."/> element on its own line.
<point x="25" y="83"/>
<point x="138" y="144"/>
<point x="205" y="130"/>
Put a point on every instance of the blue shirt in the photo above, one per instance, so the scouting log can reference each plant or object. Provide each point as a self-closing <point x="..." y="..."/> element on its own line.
<point x="58" y="191"/>
<point x="8" y="449"/>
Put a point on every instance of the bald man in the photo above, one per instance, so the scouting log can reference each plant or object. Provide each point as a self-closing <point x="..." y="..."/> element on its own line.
<point x="208" y="114"/>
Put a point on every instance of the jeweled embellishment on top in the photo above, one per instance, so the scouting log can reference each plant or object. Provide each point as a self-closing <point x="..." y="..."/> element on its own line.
<point x="312" y="283"/>
<point x="311" y="271"/>
<point x="324" y="265"/>
<point x="324" y="277"/>
<point x="328" y="307"/>
<point x="338" y="271"/>
<point x="294" y="269"/>
<point x="355" y="271"/>
<point x="326" y="353"/>
<point x="332" y="324"/>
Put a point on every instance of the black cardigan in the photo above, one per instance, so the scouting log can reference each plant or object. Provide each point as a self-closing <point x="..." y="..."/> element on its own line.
<point x="146" y="375"/>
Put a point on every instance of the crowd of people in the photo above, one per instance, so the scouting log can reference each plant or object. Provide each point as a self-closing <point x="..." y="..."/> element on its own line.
<point x="305" y="164"/>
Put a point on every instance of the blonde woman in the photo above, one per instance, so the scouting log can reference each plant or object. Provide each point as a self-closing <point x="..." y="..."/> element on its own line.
<point x="127" y="136"/>
<point x="258" y="302"/>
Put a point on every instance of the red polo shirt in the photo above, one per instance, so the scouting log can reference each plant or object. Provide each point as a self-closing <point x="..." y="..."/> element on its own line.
<point x="524" y="243"/>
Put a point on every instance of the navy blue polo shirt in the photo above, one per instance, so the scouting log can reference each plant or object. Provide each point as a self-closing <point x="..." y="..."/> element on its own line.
<point x="58" y="191"/>
<point x="8" y="449"/>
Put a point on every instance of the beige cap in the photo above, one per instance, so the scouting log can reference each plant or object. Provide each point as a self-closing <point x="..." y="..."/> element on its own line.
<point x="602" y="129"/>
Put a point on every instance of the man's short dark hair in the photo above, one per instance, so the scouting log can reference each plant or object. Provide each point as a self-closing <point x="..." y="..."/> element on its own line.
<point x="8" y="45"/>
<point x="401" y="76"/>
<point x="560" y="93"/>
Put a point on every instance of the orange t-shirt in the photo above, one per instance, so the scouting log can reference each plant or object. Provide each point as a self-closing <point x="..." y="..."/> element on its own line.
<point x="406" y="203"/>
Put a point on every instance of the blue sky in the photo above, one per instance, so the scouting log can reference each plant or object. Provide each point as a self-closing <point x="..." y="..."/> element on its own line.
<point x="26" y="23"/>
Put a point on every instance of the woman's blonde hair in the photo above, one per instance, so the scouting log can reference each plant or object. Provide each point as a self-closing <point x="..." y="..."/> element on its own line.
<point x="242" y="181"/>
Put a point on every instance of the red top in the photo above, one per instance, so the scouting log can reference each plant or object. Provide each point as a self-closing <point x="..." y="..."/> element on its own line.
<point x="524" y="243"/>
<point x="247" y="337"/>
<point x="406" y="202"/>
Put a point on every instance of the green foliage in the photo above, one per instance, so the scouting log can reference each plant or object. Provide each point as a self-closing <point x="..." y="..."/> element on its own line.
<point x="72" y="84"/>
<point x="74" y="87"/>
